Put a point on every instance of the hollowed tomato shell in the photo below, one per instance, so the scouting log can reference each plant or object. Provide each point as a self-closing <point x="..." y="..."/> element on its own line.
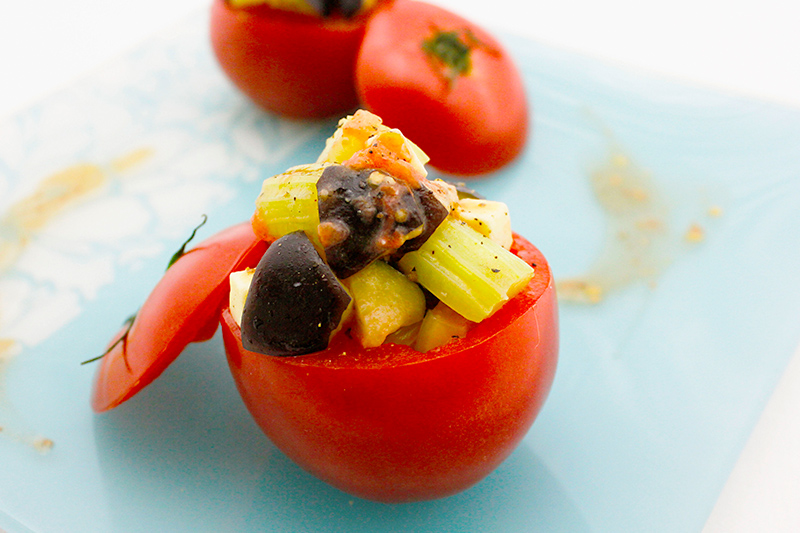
<point x="392" y="424"/>
<point x="288" y="63"/>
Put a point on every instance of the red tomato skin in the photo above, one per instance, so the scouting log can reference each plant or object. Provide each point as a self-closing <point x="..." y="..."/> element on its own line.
<point x="291" y="64"/>
<point x="183" y="307"/>
<point x="475" y="126"/>
<point x="393" y="425"/>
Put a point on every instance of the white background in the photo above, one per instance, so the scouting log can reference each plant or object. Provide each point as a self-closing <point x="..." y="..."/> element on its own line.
<point x="749" y="47"/>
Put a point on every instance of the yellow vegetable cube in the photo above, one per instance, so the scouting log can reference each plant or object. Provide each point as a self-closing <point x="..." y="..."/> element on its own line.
<point x="440" y="326"/>
<point x="384" y="301"/>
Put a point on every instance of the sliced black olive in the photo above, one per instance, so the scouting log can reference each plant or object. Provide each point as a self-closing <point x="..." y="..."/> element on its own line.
<point x="367" y="214"/>
<point x="295" y="301"/>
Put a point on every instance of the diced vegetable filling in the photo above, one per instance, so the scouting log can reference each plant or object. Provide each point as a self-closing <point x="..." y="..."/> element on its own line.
<point x="440" y="326"/>
<point x="418" y="261"/>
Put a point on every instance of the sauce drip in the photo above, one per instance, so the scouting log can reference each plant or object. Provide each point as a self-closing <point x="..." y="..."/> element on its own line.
<point x="639" y="243"/>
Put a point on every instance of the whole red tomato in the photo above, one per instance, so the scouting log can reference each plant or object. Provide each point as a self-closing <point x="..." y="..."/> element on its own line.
<point x="292" y="64"/>
<point x="183" y="307"/>
<point x="393" y="424"/>
<point x="446" y="83"/>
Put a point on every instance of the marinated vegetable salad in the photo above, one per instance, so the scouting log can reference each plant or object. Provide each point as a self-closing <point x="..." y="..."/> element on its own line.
<point x="362" y="237"/>
<point x="387" y="332"/>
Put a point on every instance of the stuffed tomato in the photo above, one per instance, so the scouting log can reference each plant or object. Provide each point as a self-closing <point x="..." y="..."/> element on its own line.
<point x="431" y="364"/>
<point x="291" y="57"/>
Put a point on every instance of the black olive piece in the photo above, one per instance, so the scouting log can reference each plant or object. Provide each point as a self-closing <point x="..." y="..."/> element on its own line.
<point x="295" y="301"/>
<point x="367" y="214"/>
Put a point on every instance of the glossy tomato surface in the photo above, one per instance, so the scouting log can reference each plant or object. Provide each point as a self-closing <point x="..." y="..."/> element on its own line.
<point x="183" y="307"/>
<point x="288" y="63"/>
<point x="392" y="424"/>
<point x="469" y="123"/>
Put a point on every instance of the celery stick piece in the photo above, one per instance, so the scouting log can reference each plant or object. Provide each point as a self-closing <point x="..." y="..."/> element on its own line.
<point x="288" y="202"/>
<point x="356" y="132"/>
<point x="470" y="273"/>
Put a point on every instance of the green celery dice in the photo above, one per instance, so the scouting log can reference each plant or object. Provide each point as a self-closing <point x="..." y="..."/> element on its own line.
<point x="288" y="203"/>
<point x="470" y="273"/>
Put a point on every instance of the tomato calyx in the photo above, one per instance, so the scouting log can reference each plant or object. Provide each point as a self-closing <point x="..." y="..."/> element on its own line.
<point x="450" y="52"/>
<point x="122" y="339"/>
<point x="182" y="250"/>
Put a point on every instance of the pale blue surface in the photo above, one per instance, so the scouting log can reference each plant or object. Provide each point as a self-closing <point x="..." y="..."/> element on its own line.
<point x="657" y="388"/>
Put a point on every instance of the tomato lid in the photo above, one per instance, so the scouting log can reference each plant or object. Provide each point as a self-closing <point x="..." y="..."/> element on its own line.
<point x="183" y="307"/>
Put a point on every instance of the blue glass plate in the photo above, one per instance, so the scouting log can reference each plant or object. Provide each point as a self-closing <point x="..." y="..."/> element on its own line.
<point x="670" y="216"/>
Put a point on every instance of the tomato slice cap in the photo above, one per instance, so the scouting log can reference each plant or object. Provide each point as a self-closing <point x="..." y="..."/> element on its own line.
<point x="183" y="307"/>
